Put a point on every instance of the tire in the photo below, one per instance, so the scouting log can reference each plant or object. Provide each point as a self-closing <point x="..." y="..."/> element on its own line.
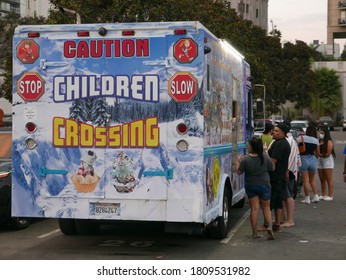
<point x="67" y="226"/>
<point x="87" y="227"/>
<point x="221" y="226"/>
<point x="20" y="223"/>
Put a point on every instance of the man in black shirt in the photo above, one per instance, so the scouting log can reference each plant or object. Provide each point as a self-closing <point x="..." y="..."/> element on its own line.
<point x="279" y="152"/>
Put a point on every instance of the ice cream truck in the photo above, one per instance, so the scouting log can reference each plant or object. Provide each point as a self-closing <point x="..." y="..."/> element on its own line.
<point x="128" y="122"/>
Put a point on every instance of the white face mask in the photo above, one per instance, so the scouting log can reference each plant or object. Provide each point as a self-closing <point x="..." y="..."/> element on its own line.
<point x="321" y="136"/>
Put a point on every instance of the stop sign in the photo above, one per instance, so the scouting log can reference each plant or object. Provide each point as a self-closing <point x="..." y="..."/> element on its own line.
<point x="30" y="86"/>
<point x="182" y="87"/>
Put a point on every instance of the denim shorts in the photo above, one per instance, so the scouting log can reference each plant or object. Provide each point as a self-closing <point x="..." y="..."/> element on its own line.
<point x="309" y="163"/>
<point x="263" y="191"/>
<point x="325" y="163"/>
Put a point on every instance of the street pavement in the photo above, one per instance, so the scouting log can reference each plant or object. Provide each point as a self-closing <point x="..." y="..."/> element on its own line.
<point x="319" y="232"/>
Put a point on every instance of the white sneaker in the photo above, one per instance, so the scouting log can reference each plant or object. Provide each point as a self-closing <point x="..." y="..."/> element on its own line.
<point x="321" y="197"/>
<point x="306" y="200"/>
<point x="328" y="198"/>
<point x="315" y="199"/>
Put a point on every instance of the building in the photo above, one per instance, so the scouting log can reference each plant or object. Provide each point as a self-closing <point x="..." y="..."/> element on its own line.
<point x="35" y="8"/>
<point x="25" y="8"/>
<point x="254" y="10"/>
<point x="9" y="6"/>
<point x="336" y="22"/>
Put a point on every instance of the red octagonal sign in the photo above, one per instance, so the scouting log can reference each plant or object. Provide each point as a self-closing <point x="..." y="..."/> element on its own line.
<point x="185" y="50"/>
<point x="30" y="86"/>
<point x="182" y="87"/>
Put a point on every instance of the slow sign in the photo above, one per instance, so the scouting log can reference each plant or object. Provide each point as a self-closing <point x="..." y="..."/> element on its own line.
<point x="182" y="87"/>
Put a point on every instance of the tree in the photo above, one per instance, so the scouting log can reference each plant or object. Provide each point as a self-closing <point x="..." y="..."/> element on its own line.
<point x="283" y="70"/>
<point x="326" y="99"/>
<point x="8" y="25"/>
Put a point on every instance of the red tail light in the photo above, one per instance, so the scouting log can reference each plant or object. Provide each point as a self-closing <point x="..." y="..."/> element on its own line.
<point x="128" y="32"/>
<point x="33" y="34"/>
<point x="180" y="32"/>
<point x="30" y="127"/>
<point x="83" y="33"/>
<point x="182" y="128"/>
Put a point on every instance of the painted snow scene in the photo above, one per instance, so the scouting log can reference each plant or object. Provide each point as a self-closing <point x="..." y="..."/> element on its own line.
<point x="106" y="127"/>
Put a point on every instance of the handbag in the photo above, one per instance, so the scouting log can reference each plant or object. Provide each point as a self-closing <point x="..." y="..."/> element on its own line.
<point x="301" y="146"/>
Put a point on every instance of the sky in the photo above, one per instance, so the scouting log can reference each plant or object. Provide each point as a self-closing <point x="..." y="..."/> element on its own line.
<point x="304" y="20"/>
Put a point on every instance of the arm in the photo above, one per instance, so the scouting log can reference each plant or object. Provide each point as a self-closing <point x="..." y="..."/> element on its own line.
<point x="329" y="149"/>
<point x="317" y="151"/>
<point x="237" y="164"/>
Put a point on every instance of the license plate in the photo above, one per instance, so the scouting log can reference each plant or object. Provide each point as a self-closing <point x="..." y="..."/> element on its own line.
<point x="106" y="209"/>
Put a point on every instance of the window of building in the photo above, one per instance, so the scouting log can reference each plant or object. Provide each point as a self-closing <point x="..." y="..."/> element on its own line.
<point x="247" y="8"/>
<point x="257" y="13"/>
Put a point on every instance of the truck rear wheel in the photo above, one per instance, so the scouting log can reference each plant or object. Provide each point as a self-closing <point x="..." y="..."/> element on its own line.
<point x="221" y="226"/>
<point x="67" y="226"/>
<point x="87" y="227"/>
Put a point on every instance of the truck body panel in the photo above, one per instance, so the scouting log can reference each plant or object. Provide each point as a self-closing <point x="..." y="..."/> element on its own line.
<point x="143" y="123"/>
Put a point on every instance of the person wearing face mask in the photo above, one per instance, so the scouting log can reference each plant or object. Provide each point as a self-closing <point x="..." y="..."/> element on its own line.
<point x="325" y="164"/>
<point x="309" y="163"/>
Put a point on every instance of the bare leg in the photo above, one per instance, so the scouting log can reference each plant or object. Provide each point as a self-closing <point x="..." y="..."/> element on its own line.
<point x="323" y="181"/>
<point x="265" y="205"/>
<point x="290" y="212"/>
<point x="328" y="174"/>
<point x="254" y="207"/>
<point x="305" y="177"/>
<point x="313" y="183"/>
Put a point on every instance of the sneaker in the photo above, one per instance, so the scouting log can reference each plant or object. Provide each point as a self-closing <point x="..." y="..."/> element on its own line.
<point x="306" y="200"/>
<point x="315" y="199"/>
<point x="321" y="197"/>
<point x="328" y="198"/>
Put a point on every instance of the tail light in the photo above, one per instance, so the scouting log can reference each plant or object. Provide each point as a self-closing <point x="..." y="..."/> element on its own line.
<point x="182" y="128"/>
<point x="30" y="127"/>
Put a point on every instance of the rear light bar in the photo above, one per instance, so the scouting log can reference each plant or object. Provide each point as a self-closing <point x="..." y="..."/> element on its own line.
<point x="33" y="34"/>
<point x="83" y="33"/>
<point x="128" y="32"/>
<point x="180" y="32"/>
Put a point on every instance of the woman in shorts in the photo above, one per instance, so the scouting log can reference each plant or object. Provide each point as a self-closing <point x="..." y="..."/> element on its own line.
<point x="256" y="166"/>
<point x="325" y="164"/>
<point x="309" y="163"/>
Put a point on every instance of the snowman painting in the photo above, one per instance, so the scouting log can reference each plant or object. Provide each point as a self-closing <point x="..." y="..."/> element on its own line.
<point x="85" y="179"/>
<point x="123" y="179"/>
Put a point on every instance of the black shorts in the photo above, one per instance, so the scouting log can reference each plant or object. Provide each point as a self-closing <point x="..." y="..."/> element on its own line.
<point x="290" y="185"/>
<point x="277" y="194"/>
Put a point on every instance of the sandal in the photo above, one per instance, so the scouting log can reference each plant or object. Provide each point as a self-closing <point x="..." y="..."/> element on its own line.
<point x="276" y="227"/>
<point x="257" y="236"/>
<point x="270" y="234"/>
<point x="263" y="228"/>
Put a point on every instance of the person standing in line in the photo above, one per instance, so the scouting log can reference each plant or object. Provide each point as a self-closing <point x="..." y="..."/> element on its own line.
<point x="267" y="136"/>
<point x="325" y="164"/>
<point x="294" y="163"/>
<point x="279" y="152"/>
<point x="309" y="163"/>
<point x="256" y="166"/>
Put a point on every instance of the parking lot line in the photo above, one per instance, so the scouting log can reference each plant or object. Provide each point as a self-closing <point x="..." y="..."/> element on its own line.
<point x="49" y="233"/>
<point x="236" y="228"/>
